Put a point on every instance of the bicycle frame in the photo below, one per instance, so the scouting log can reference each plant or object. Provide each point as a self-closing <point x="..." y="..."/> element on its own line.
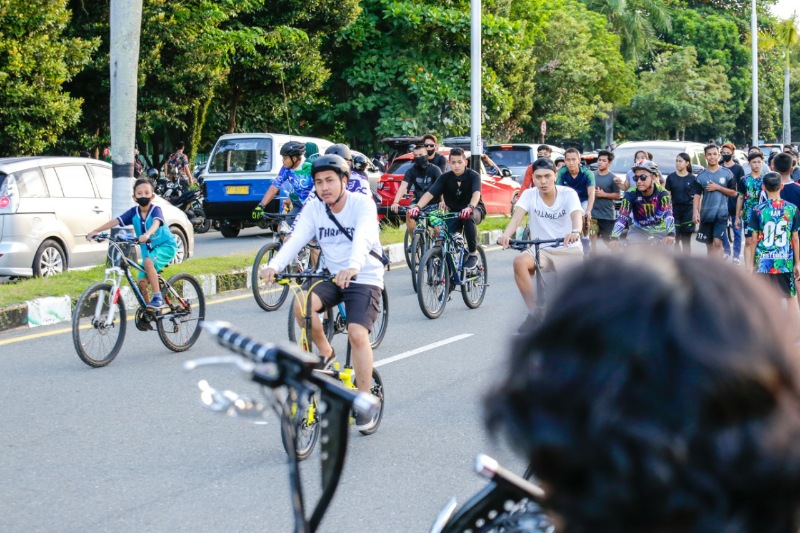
<point x="113" y="275"/>
<point x="522" y="245"/>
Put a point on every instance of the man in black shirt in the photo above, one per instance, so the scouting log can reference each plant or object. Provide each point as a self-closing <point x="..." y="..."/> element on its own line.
<point x="432" y="149"/>
<point x="419" y="178"/>
<point x="461" y="192"/>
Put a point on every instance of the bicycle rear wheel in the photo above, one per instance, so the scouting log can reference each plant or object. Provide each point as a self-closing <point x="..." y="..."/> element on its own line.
<point x="382" y="322"/>
<point x="294" y="330"/>
<point x="179" y="329"/>
<point x="268" y="297"/>
<point x="306" y="428"/>
<point x="377" y="390"/>
<point x="98" y="344"/>
<point x="433" y="283"/>
<point x="473" y="288"/>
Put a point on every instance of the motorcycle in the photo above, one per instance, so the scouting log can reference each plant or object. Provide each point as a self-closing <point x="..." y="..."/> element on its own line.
<point x="190" y="201"/>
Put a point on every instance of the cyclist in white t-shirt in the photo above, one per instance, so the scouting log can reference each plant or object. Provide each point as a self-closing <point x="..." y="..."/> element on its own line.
<point x="554" y="213"/>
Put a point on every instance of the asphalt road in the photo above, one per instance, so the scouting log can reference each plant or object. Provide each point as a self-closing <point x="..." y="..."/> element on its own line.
<point x="213" y="244"/>
<point x="128" y="448"/>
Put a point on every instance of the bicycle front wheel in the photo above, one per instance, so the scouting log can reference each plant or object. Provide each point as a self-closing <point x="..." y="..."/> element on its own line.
<point x="473" y="287"/>
<point x="407" y="237"/>
<point x="382" y="322"/>
<point x="97" y="340"/>
<point x="268" y="297"/>
<point x="377" y="390"/>
<point x="433" y="283"/>
<point x="180" y="327"/>
<point x="306" y="428"/>
<point x="417" y="251"/>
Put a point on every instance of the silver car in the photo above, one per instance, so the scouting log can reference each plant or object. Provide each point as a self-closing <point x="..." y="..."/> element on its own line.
<point x="49" y="204"/>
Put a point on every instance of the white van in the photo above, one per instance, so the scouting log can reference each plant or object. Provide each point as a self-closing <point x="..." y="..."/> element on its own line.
<point x="239" y="171"/>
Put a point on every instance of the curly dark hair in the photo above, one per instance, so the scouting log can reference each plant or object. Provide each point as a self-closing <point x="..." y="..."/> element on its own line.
<point x="659" y="394"/>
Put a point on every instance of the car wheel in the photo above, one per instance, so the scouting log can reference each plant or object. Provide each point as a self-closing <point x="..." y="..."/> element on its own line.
<point x="49" y="259"/>
<point x="180" y="238"/>
<point x="229" y="232"/>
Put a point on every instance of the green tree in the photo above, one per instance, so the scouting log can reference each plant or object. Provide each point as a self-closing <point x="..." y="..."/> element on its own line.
<point x="637" y="22"/>
<point x="677" y="95"/>
<point x="36" y="59"/>
<point x="788" y="39"/>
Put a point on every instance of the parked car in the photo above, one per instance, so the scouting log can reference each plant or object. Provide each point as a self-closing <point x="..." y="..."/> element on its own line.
<point x="516" y="157"/>
<point x="49" y="204"/>
<point x="664" y="154"/>
<point x="240" y="170"/>
<point x="499" y="193"/>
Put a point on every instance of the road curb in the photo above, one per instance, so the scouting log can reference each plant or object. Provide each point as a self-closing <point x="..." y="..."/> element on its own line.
<point x="57" y="309"/>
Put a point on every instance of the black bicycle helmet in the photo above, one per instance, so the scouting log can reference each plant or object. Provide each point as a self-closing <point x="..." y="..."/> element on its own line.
<point x="360" y="163"/>
<point x="331" y="162"/>
<point x="342" y="150"/>
<point x="293" y="149"/>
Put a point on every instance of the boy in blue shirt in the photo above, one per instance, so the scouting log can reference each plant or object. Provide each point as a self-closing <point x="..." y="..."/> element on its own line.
<point x="156" y="243"/>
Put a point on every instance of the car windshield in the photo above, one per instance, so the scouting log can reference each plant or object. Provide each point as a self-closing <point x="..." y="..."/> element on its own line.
<point x="241" y="155"/>
<point x="510" y="157"/>
<point x="664" y="157"/>
<point x="399" y="166"/>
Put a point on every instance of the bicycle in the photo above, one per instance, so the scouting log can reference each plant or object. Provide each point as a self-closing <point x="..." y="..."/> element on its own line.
<point x="99" y="319"/>
<point x="522" y="245"/>
<point x="287" y="367"/>
<point x="269" y="298"/>
<point x="304" y="410"/>
<point x="442" y="270"/>
<point x="423" y="238"/>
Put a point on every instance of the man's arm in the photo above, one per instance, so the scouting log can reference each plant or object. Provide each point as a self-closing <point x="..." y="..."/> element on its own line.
<point x="591" y="193"/>
<point x="696" y="203"/>
<point x="367" y="231"/>
<point x="511" y="228"/>
<point x="623" y="218"/>
<point x="302" y="233"/>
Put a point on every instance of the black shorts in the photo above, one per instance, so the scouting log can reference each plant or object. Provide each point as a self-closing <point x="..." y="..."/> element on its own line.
<point x="783" y="282"/>
<point x="712" y="230"/>
<point x="683" y="219"/>
<point x="362" y="303"/>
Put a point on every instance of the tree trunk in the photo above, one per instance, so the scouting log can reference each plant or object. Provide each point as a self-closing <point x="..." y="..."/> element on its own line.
<point x="234" y="105"/>
<point x="609" y="124"/>
<point x="199" y="112"/>
<point x="787" y="120"/>
<point x="125" y="26"/>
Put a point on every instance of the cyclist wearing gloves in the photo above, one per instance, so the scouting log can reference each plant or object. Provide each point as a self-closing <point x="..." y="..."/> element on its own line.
<point x="357" y="182"/>
<point x="346" y="226"/>
<point x="421" y="176"/>
<point x="646" y="212"/>
<point x="554" y="213"/>
<point x="460" y="188"/>
<point x="295" y="174"/>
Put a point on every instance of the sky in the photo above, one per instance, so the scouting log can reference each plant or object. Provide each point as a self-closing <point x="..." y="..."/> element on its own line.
<point x="783" y="8"/>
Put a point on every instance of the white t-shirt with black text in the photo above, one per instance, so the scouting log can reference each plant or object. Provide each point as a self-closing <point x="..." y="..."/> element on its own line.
<point x="550" y="222"/>
<point x="359" y="217"/>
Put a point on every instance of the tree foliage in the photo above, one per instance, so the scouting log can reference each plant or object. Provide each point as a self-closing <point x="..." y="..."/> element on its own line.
<point x="36" y="59"/>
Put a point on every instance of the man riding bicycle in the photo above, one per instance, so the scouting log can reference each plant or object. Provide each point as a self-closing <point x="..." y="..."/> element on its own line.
<point x="461" y="192"/>
<point x="419" y="177"/>
<point x="646" y="212"/>
<point x="295" y="174"/>
<point x="346" y="226"/>
<point x="554" y="213"/>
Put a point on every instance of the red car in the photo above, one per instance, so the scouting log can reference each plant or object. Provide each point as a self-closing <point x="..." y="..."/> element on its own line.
<point x="499" y="193"/>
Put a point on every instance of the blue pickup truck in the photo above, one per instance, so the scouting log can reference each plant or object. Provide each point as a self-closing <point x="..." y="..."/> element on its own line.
<point x="240" y="170"/>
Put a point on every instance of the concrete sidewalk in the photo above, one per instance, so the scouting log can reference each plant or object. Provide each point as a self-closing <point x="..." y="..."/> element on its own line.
<point x="57" y="309"/>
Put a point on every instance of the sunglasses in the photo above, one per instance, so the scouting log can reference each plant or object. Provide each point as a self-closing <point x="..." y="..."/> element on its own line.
<point x="430" y="145"/>
<point x="642" y="177"/>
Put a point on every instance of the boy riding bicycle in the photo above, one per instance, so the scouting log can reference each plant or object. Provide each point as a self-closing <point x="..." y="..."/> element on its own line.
<point x="346" y="226"/>
<point x="157" y="245"/>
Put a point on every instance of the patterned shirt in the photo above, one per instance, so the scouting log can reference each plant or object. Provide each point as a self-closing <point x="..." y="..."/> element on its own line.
<point x="773" y="222"/>
<point x="358" y="183"/>
<point x="178" y="161"/>
<point x="750" y="188"/>
<point x="651" y="214"/>
<point x="298" y="182"/>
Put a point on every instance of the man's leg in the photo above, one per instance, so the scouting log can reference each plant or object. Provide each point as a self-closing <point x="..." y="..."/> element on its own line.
<point x="361" y="350"/>
<point x="317" y="333"/>
<point x="726" y="243"/>
<point x="737" y="241"/>
<point x="524" y="269"/>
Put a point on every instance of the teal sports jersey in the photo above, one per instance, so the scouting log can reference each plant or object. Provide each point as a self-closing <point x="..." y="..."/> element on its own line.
<point x="750" y="189"/>
<point x="773" y="222"/>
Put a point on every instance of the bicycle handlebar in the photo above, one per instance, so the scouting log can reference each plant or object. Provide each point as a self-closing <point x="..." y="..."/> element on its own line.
<point x="519" y="244"/>
<point x="286" y="277"/>
<point x="294" y="366"/>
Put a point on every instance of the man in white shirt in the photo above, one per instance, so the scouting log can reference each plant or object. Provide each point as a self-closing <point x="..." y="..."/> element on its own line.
<point x="555" y="213"/>
<point x="345" y="258"/>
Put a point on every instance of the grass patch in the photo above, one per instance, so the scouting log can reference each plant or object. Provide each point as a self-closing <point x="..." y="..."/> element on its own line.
<point x="74" y="282"/>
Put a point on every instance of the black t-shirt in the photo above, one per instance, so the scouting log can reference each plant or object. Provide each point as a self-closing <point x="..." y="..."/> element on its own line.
<point x="440" y="161"/>
<point x="421" y="179"/>
<point x="738" y="175"/>
<point x="680" y="188"/>
<point x="457" y="191"/>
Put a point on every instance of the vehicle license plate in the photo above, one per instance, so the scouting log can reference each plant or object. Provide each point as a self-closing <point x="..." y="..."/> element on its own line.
<point x="237" y="189"/>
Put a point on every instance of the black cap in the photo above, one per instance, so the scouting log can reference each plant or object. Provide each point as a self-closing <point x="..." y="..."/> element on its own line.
<point x="543" y="163"/>
<point x="771" y="180"/>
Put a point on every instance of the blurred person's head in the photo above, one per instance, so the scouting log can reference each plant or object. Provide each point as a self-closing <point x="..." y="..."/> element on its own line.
<point x="649" y="413"/>
<point x="559" y="162"/>
<point x="683" y="162"/>
<point x="572" y="157"/>
<point x="604" y="159"/>
<point x="783" y="164"/>
<point x="756" y="161"/>
<point x="543" y="150"/>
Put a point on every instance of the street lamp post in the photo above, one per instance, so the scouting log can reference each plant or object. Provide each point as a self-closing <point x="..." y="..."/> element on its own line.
<point x="754" y="54"/>
<point x="475" y="83"/>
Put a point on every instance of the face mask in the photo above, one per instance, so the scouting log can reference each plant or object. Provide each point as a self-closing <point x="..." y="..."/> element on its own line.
<point x="421" y="160"/>
<point x="726" y="158"/>
<point x="142" y="201"/>
<point x="431" y="152"/>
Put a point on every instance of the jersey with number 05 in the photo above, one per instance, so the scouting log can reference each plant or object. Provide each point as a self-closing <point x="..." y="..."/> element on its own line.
<point x="774" y="222"/>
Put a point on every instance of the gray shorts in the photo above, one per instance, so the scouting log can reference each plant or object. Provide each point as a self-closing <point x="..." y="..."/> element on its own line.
<point x="362" y="303"/>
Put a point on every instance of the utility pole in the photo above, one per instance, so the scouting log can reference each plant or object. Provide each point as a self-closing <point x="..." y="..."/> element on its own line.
<point x="754" y="69"/>
<point x="125" y="26"/>
<point x="476" y="145"/>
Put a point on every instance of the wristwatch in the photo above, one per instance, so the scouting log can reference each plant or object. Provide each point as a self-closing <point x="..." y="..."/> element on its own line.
<point x="471" y="206"/>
